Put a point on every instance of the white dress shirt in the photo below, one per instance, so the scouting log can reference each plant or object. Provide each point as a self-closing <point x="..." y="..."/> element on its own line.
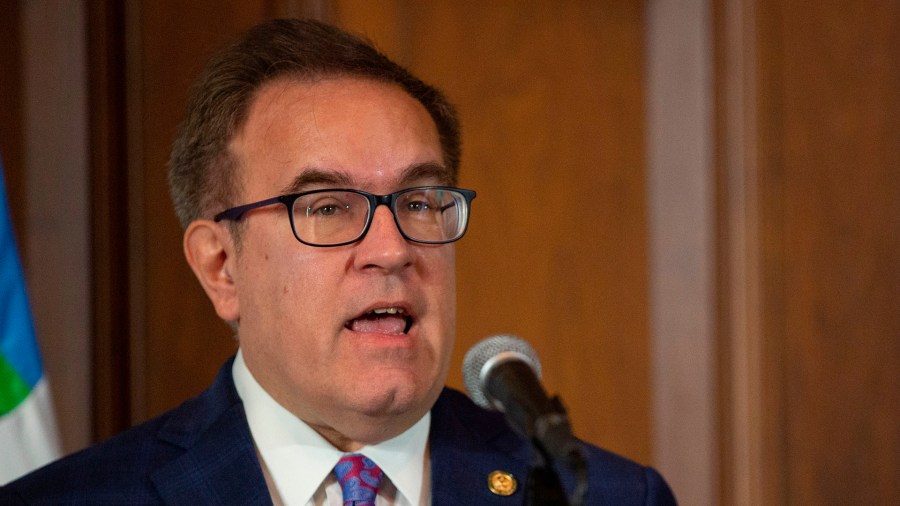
<point x="298" y="462"/>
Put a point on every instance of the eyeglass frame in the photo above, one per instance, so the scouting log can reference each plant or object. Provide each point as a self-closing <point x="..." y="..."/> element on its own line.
<point x="236" y="213"/>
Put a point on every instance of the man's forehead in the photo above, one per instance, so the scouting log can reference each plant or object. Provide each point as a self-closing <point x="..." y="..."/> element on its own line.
<point x="291" y="94"/>
<point x="417" y="174"/>
<point x="363" y="134"/>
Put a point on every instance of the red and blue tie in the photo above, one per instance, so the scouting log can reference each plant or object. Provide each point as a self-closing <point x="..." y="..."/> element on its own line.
<point x="359" y="478"/>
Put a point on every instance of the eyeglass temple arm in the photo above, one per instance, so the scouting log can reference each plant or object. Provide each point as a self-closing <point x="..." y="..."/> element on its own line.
<point x="448" y="206"/>
<point x="236" y="213"/>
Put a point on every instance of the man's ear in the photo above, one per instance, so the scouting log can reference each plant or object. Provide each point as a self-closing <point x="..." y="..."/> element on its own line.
<point x="209" y="250"/>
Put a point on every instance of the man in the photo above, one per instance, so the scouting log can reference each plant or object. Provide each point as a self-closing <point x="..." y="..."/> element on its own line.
<point x="344" y="308"/>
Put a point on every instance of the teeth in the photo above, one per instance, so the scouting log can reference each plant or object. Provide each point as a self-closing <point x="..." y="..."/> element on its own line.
<point x="388" y="310"/>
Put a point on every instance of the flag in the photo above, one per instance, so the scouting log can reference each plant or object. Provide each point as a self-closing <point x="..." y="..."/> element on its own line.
<point x="28" y="435"/>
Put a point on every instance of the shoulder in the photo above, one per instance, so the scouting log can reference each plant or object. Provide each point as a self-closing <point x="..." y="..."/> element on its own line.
<point x="614" y="479"/>
<point x="483" y="435"/>
<point x="120" y="469"/>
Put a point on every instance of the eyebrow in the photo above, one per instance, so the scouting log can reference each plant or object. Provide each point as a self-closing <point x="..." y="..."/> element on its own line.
<point x="314" y="176"/>
<point x="410" y="176"/>
<point x="427" y="170"/>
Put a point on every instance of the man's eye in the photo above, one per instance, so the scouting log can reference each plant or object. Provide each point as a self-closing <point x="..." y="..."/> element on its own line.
<point x="325" y="208"/>
<point x="418" y="206"/>
<point x="328" y="210"/>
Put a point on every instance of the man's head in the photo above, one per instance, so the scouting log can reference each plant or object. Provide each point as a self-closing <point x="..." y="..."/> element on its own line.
<point x="353" y="339"/>
<point x="201" y="170"/>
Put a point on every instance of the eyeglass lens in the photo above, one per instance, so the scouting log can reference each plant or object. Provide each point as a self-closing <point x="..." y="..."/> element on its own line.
<point x="430" y="215"/>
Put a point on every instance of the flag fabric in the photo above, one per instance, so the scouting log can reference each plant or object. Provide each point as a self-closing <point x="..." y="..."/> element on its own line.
<point x="28" y="434"/>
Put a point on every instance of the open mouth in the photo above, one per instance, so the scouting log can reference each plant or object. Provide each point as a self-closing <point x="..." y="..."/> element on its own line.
<point x="385" y="320"/>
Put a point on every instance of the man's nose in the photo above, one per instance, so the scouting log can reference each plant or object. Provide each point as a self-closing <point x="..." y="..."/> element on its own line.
<point x="383" y="246"/>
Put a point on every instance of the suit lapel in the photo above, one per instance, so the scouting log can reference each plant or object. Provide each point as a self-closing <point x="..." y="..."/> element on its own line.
<point x="219" y="464"/>
<point x="466" y="445"/>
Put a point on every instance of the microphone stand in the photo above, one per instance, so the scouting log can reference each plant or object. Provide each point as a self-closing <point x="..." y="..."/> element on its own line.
<point x="543" y="487"/>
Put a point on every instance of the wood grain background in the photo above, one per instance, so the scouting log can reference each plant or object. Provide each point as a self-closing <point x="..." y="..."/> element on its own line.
<point x="806" y="185"/>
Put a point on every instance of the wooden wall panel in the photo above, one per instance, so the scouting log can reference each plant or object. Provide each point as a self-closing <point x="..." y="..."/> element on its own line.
<point x="840" y="276"/>
<point x="110" y="322"/>
<point x="551" y="102"/>
<point x="11" y="111"/>
<point x="826" y="118"/>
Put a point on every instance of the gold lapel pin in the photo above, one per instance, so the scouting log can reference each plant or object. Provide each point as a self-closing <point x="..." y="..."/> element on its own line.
<point x="502" y="483"/>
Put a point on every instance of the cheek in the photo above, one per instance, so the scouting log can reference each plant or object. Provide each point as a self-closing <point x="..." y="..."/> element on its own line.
<point x="289" y="325"/>
<point x="440" y="267"/>
<point x="446" y="280"/>
<point x="442" y="280"/>
<point x="305" y="290"/>
<point x="278" y="286"/>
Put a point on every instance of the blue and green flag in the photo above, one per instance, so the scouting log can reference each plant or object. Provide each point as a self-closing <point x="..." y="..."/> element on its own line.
<point x="28" y="435"/>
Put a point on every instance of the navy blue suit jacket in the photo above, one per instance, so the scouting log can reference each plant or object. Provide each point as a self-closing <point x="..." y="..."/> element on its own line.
<point x="202" y="453"/>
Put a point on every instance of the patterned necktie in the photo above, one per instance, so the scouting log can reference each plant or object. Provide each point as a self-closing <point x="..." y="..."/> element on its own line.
<point x="359" y="478"/>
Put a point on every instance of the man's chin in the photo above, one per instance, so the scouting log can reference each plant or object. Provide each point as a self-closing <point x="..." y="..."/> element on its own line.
<point x="376" y="401"/>
<point x="372" y="421"/>
<point x="403" y="405"/>
<point x="382" y="406"/>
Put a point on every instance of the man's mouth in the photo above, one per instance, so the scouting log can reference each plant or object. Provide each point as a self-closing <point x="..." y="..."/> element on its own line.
<point x="384" y="320"/>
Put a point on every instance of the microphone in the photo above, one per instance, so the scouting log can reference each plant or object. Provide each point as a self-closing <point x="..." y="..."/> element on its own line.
<point x="503" y="373"/>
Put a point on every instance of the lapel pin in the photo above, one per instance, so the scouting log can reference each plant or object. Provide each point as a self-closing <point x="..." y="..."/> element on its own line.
<point x="502" y="483"/>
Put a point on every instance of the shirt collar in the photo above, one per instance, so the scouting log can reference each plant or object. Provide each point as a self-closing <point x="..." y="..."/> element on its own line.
<point x="287" y="444"/>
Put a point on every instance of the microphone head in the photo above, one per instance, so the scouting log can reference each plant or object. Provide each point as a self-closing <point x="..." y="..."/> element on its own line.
<point x="487" y="354"/>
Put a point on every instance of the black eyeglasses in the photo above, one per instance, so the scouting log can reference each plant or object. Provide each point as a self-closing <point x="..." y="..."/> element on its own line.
<point x="335" y="217"/>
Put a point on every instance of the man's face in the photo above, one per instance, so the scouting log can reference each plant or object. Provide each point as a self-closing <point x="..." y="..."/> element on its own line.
<point x="312" y="322"/>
